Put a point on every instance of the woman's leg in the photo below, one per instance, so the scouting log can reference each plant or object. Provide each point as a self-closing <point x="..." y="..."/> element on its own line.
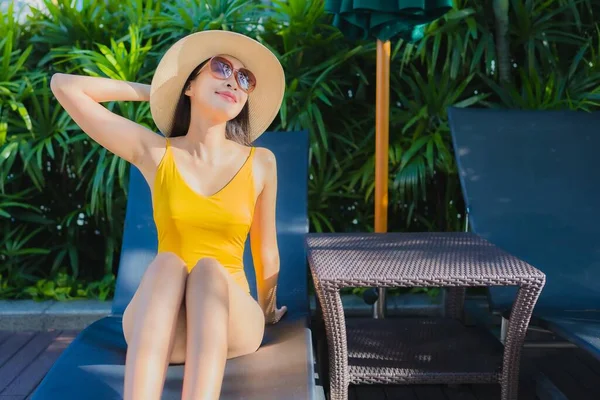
<point x="223" y="321"/>
<point x="149" y="323"/>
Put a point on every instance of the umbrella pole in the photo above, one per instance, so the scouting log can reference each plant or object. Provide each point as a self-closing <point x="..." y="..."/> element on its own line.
<point x="382" y="122"/>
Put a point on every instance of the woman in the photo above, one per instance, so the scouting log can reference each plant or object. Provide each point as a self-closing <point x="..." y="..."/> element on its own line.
<point x="212" y="94"/>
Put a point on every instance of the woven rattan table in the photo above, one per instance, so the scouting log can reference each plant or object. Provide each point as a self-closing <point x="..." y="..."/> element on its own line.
<point x="418" y="350"/>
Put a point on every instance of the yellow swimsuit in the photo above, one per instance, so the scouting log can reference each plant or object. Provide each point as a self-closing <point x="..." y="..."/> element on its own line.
<point x="195" y="226"/>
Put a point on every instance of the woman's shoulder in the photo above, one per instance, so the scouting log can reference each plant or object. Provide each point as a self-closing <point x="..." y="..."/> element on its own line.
<point x="265" y="163"/>
<point x="265" y="157"/>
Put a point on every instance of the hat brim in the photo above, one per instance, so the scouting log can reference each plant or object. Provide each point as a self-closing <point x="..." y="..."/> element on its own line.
<point x="185" y="55"/>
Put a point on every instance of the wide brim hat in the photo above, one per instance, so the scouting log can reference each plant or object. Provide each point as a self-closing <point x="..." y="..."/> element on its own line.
<point x="187" y="53"/>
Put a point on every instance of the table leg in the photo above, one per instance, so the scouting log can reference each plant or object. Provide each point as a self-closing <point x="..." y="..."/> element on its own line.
<point x="454" y="302"/>
<point x="380" y="306"/>
<point x="517" y="328"/>
<point x="335" y="328"/>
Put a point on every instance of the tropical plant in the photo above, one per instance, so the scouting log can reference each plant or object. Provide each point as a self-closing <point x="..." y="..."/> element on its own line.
<point x="62" y="196"/>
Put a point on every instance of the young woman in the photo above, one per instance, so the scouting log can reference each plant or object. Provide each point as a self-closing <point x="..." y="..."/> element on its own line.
<point x="212" y="94"/>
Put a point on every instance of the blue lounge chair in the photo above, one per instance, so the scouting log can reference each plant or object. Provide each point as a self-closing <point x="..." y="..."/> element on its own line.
<point x="531" y="183"/>
<point x="93" y="365"/>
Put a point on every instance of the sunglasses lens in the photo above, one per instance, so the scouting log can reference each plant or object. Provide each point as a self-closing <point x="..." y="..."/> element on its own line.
<point x="246" y="80"/>
<point x="221" y="67"/>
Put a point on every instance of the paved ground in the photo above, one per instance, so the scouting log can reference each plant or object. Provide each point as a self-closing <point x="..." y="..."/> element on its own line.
<point x="34" y="334"/>
<point x="26" y="356"/>
<point x="575" y="374"/>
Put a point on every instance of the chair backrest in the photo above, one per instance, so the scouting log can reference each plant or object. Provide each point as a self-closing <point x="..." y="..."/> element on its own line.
<point x="139" y="245"/>
<point x="531" y="182"/>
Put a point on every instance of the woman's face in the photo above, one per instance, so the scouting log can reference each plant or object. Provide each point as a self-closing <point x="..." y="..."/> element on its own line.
<point x="221" y="98"/>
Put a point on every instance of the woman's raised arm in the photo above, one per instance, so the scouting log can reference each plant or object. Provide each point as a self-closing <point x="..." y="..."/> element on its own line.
<point x="81" y="96"/>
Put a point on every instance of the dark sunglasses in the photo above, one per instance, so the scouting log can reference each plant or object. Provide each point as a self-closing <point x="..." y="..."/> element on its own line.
<point x="221" y="68"/>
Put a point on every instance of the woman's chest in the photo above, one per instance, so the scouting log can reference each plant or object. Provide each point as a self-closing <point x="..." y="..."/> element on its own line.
<point x="185" y="208"/>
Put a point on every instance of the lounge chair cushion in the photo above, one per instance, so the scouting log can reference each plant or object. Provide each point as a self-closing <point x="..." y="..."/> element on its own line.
<point x="94" y="364"/>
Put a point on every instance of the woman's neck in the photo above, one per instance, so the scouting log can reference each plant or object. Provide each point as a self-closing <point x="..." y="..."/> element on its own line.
<point x="207" y="141"/>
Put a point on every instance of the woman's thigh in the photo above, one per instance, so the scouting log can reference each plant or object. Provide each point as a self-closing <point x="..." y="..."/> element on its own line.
<point x="246" y="322"/>
<point x="155" y="272"/>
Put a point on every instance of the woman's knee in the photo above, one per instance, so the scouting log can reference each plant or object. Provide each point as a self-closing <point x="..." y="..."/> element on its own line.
<point x="162" y="282"/>
<point x="169" y="259"/>
<point x="208" y="277"/>
<point x="167" y="268"/>
<point x="208" y="269"/>
<point x="208" y="262"/>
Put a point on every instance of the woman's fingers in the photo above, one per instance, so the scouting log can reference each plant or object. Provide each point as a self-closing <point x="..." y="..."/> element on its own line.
<point x="280" y="313"/>
<point x="277" y="315"/>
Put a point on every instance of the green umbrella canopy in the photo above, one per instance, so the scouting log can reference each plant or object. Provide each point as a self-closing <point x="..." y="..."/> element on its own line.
<point x="385" y="19"/>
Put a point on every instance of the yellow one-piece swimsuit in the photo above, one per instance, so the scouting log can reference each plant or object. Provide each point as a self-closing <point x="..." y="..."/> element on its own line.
<point x="196" y="226"/>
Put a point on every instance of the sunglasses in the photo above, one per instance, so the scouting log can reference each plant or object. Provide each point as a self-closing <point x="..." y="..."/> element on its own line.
<point x="221" y="68"/>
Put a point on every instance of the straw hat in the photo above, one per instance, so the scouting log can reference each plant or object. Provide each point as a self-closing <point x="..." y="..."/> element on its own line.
<point x="185" y="55"/>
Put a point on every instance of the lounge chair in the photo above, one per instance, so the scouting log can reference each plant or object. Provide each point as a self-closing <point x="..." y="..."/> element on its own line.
<point x="93" y="365"/>
<point x="531" y="183"/>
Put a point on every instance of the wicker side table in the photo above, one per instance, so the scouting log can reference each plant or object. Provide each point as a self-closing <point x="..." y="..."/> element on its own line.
<point x="418" y="350"/>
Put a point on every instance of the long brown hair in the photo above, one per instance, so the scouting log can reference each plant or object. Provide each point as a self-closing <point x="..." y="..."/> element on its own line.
<point x="237" y="129"/>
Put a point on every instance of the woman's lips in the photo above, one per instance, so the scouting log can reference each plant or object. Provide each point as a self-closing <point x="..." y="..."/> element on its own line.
<point x="228" y="96"/>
